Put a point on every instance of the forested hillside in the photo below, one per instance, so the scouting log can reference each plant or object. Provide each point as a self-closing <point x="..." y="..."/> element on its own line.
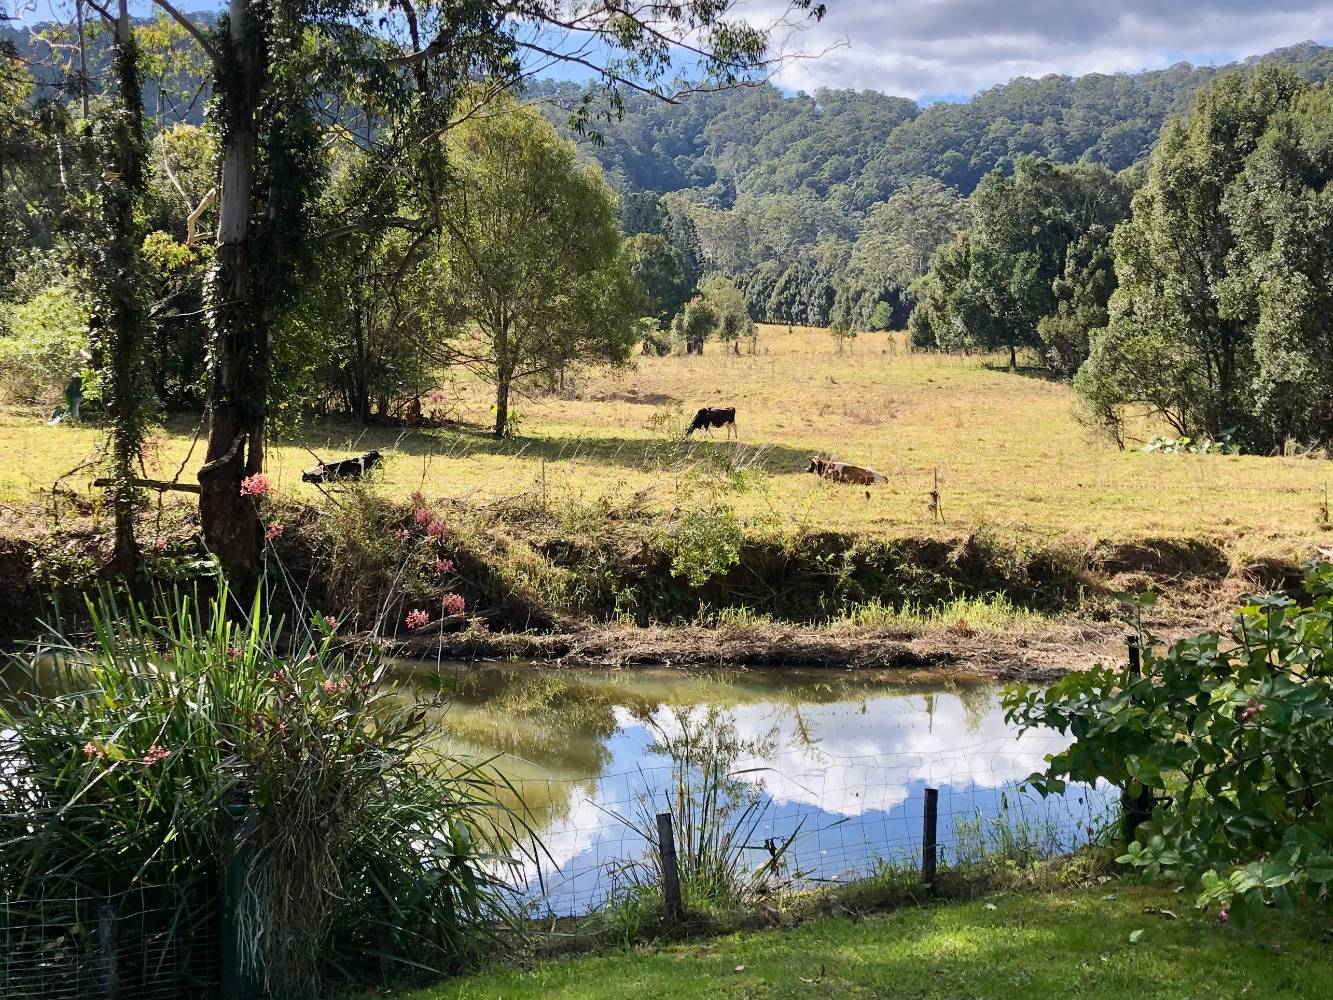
<point x="857" y="148"/>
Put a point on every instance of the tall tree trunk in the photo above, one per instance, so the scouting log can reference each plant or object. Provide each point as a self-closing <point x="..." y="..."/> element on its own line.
<point x="502" y="405"/>
<point x="1013" y="358"/>
<point x="239" y="387"/>
<point x="119" y="315"/>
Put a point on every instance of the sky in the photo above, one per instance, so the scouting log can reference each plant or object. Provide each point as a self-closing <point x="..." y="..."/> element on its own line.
<point x="950" y="49"/>
<point x="930" y="49"/>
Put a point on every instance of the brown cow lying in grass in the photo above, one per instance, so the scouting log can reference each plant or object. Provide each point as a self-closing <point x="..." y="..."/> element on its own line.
<point x="841" y="472"/>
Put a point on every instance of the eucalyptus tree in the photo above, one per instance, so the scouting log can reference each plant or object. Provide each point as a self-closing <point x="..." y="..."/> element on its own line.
<point x="280" y="65"/>
<point x="532" y="261"/>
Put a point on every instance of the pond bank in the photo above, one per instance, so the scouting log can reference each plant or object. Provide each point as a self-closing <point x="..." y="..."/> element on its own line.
<point x="1031" y="653"/>
<point x="596" y="587"/>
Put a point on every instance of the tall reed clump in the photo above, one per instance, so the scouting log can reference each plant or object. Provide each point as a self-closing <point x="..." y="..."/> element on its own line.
<point x="717" y="810"/>
<point x="120" y="763"/>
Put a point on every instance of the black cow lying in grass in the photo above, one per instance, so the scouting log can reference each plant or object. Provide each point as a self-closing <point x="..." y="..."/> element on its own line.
<point x="346" y="468"/>
<point x="710" y="417"/>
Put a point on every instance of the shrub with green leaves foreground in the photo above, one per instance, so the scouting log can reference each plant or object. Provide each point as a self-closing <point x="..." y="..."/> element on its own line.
<point x="118" y="760"/>
<point x="1233" y="740"/>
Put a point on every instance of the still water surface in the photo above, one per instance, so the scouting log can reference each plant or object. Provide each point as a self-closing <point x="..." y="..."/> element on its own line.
<point x="839" y="759"/>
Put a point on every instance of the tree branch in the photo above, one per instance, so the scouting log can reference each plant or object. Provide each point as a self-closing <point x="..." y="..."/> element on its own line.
<point x="190" y="27"/>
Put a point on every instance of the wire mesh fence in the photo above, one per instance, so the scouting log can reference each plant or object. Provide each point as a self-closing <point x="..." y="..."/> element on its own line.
<point x="833" y="819"/>
<point x="105" y="946"/>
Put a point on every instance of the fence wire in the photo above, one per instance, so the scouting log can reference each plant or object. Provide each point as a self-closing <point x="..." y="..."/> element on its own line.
<point x="840" y="818"/>
<point x="130" y="943"/>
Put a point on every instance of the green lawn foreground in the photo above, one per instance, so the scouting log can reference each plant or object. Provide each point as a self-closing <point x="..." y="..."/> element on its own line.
<point x="1073" y="943"/>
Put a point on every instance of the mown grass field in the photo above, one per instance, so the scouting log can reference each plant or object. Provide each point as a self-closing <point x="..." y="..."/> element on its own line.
<point x="1073" y="943"/>
<point x="1009" y="452"/>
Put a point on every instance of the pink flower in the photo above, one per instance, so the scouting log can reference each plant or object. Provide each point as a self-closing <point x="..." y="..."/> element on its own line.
<point x="91" y="749"/>
<point x="402" y="535"/>
<point x="159" y="544"/>
<point x="331" y="622"/>
<point x="424" y="517"/>
<point x="155" y="755"/>
<point x="1221" y="916"/>
<point x="436" y="396"/>
<point x="481" y="625"/>
<point x="254" y="486"/>
<point x="416" y="618"/>
<point x="330" y="687"/>
<point x="444" y="566"/>
<point x="274" y="532"/>
<point x="436" y="527"/>
<point x="235" y="652"/>
<point x="453" y="604"/>
<point x="417" y="498"/>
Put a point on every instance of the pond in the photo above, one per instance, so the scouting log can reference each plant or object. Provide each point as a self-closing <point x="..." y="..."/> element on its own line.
<point x="833" y="765"/>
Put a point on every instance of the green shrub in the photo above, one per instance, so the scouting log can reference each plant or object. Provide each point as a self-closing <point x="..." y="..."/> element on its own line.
<point x="41" y="345"/>
<point x="117" y="763"/>
<point x="1227" y="737"/>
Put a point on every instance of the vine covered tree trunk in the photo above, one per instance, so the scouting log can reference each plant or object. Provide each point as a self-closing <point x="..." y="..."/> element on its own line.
<point x="119" y="315"/>
<point x="239" y="385"/>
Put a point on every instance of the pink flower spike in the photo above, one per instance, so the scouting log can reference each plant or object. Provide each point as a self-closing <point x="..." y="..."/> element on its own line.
<point x="402" y="535"/>
<point x="444" y="566"/>
<point x="155" y="755"/>
<point x="254" y="486"/>
<point x="416" y="618"/>
<point x="274" y="532"/>
<point x="453" y="604"/>
<point x="436" y="527"/>
<point x="330" y="687"/>
<point x="424" y="517"/>
<point x="91" y="749"/>
<point x="332" y="622"/>
<point x="417" y="498"/>
<point x="1221" y="916"/>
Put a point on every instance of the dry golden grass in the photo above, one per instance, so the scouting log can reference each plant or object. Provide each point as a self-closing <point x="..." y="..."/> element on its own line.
<point x="1009" y="452"/>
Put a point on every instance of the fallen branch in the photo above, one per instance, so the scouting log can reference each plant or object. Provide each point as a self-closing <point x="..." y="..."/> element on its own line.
<point x="161" y="485"/>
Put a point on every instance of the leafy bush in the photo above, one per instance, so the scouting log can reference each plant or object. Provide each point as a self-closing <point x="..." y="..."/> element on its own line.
<point x="41" y="345"/>
<point x="1224" y="444"/>
<point x="117" y="763"/>
<point x="1229" y="739"/>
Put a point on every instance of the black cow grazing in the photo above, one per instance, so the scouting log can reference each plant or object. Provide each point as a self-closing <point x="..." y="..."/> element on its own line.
<point x="346" y="468"/>
<point x="710" y="417"/>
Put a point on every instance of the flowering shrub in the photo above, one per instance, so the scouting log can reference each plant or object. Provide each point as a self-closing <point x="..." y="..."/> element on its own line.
<point x="255" y="486"/>
<point x="118" y="779"/>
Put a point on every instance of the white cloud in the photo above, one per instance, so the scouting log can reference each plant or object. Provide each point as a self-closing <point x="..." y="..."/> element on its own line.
<point x="932" y="47"/>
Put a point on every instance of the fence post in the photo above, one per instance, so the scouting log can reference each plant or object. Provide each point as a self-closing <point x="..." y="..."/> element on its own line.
<point x="1135" y="809"/>
<point x="107" y="949"/>
<point x="237" y="979"/>
<point x="666" y="848"/>
<point x="930" y="838"/>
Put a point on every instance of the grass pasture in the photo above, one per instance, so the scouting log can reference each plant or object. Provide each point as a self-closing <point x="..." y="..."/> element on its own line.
<point x="1009" y="451"/>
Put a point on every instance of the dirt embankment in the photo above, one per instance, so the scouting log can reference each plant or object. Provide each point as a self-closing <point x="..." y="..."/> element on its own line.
<point x="610" y="597"/>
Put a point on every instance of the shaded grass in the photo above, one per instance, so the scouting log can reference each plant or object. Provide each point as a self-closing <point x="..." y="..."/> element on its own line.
<point x="1009" y="452"/>
<point x="1072" y="943"/>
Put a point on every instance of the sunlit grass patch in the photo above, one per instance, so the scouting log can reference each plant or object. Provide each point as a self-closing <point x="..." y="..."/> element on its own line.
<point x="988" y="613"/>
